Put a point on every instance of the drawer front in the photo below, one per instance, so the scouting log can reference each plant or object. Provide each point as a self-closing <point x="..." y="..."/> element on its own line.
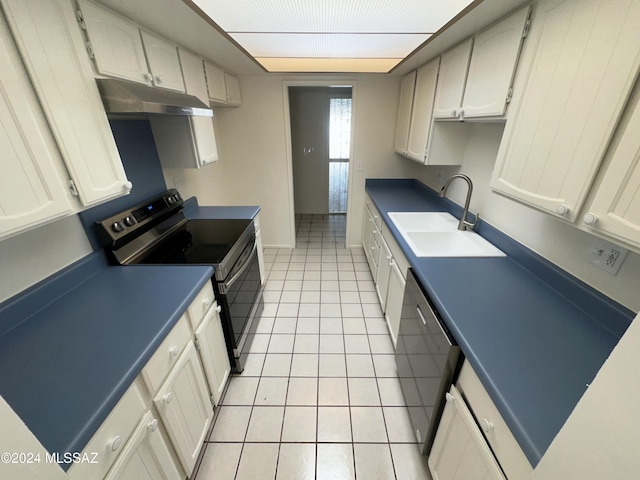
<point x="200" y="306"/>
<point x="166" y="356"/>
<point x="112" y="436"/>
<point x="502" y="442"/>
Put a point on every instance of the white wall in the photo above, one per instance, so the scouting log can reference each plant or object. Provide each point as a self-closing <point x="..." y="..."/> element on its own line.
<point x="601" y="437"/>
<point x="254" y="166"/>
<point x="559" y="242"/>
<point x="27" y="258"/>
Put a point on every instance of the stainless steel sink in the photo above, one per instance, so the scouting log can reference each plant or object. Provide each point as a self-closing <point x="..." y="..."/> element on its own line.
<point x="435" y="234"/>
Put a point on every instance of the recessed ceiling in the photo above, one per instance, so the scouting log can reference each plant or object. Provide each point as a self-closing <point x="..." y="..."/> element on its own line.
<point x="330" y="35"/>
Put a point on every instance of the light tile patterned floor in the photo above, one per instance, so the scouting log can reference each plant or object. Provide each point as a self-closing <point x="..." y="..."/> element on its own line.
<point x="319" y="398"/>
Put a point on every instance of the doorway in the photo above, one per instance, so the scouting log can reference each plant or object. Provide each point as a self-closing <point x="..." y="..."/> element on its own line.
<point x="320" y="148"/>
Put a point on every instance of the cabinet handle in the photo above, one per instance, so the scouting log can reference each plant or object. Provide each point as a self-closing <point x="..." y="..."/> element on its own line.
<point x="127" y="186"/>
<point x="562" y="209"/>
<point x="153" y="426"/>
<point x="206" y="303"/>
<point x="168" y="398"/>
<point x="448" y="397"/>
<point x="218" y="309"/>
<point x="159" y="79"/>
<point x="454" y="113"/>
<point x="421" y="315"/>
<point x="174" y="351"/>
<point x="487" y="426"/>
<point x="148" y="77"/>
<point x="590" y="218"/>
<point x="115" y="443"/>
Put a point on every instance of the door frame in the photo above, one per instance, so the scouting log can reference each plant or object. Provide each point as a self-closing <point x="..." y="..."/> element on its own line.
<point x="288" y="146"/>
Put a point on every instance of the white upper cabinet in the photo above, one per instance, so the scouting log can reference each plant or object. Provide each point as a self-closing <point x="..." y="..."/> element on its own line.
<point x="216" y="83"/>
<point x="615" y="207"/>
<point x="476" y="76"/>
<point x="224" y="88"/>
<point x="163" y="61"/>
<point x="31" y="190"/>
<point x="492" y="68"/>
<point x="116" y="45"/>
<point x="421" y="113"/>
<point x="454" y="65"/>
<point x="55" y="58"/>
<point x="583" y="61"/>
<point x="195" y="81"/>
<point x="405" y="105"/>
<point x="233" y="89"/>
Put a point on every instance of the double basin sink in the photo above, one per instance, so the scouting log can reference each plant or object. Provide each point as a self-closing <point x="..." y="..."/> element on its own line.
<point x="436" y="234"/>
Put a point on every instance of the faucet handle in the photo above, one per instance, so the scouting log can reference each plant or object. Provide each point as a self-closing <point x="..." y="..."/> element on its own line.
<point x="469" y="225"/>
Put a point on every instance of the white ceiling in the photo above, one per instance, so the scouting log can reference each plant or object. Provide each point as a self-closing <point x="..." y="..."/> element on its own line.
<point x="175" y="20"/>
<point x="312" y="33"/>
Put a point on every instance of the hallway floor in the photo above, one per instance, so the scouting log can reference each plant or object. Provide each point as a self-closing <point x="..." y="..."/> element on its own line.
<point x="319" y="398"/>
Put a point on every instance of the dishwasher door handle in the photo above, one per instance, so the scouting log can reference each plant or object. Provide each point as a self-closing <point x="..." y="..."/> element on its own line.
<point x="424" y="320"/>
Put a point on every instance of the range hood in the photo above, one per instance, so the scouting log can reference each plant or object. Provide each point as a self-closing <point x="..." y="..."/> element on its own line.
<point x="128" y="98"/>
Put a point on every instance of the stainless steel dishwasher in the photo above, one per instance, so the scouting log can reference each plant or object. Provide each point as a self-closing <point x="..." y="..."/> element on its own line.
<point x="427" y="358"/>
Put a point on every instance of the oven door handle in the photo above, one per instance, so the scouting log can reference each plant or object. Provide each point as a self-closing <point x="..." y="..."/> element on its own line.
<point x="224" y="288"/>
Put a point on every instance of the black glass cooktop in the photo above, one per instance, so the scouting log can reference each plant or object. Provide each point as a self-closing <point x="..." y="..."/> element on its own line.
<point x="198" y="242"/>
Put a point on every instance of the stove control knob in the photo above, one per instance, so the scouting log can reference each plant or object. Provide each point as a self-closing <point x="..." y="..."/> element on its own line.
<point x="117" y="227"/>
<point x="177" y="197"/>
<point x="129" y="221"/>
<point x="171" y="200"/>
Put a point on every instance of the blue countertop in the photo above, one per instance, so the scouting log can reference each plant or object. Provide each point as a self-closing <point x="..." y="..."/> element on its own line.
<point x="535" y="336"/>
<point x="70" y="347"/>
<point x="195" y="211"/>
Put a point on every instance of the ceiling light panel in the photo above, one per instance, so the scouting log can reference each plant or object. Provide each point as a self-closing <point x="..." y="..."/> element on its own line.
<point x="346" y="16"/>
<point x="329" y="45"/>
<point x="329" y="65"/>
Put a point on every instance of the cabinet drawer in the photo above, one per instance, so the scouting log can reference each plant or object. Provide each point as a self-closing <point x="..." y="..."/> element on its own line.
<point x="502" y="442"/>
<point x="166" y="356"/>
<point x="200" y="305"/>
<point x="112" y="435"/>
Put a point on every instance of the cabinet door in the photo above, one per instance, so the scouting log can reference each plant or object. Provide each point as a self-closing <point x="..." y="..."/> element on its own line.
<point x="31" y="191"/>
<point x="454" y="65"/>
<point x="146" y="456"/>
<point x="421" y="114"/>
<point x="493" y="64"/>
<point x="395" y="293"/>
<point x="184" y="407"/>
<point x="404" y="112"/>
<point x="585" y="59"/>
<point x="195" y="82"/>
<point x="213" y="352"/>
<point x="55" y="57"/>
<point x="615" y="206"/>
<point x="215" y="83"/>
<point x="233" y="89"/>
<point x="163" y="61"/>
<point x="116" y="45"/>
<point x="367" y="229"/>
<point x="384" y="270"/>
<point x="459" y="450"/>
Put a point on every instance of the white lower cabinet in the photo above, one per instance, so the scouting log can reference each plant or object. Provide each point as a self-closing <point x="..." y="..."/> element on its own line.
<point x="158" y="427"/>
<point x="213" y="353"/>
<point x="388" y="266"/>
<point x="505" y="447"/>
<point x="110" y="439"/>
<point x="459" y="450"/>
<point x="147" y="455"/>
<point x="395" y="295"/>
<point x="184" y="407"/>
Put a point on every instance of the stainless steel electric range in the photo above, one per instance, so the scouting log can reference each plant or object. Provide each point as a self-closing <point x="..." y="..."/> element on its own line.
<point x="157" y="232"/>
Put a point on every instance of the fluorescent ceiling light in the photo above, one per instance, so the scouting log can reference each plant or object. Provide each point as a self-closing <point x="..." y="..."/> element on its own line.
<point x="329" y="35"/>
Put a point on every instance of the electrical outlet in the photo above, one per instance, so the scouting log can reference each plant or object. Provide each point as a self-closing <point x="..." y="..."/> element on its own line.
<point x="607" y="256"/>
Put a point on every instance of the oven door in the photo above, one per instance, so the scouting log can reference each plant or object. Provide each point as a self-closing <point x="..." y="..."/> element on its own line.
<point x="241" y="296"/>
